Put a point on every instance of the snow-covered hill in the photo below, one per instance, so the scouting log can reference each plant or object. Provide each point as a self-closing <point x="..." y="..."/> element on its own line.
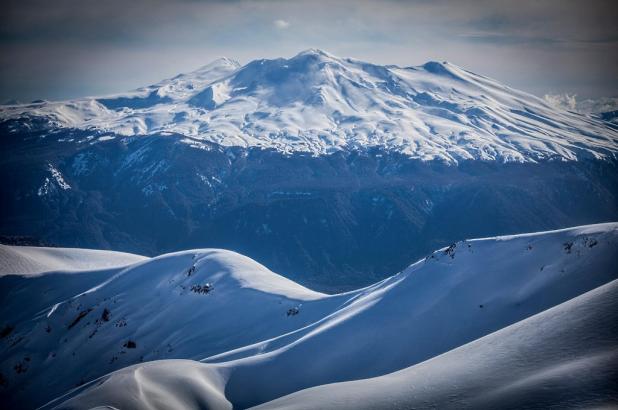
<point x="318" y="103"/>
<point x="190" y="304"/>
<point x="563" y="357"/>
<point x="262" y="336"/>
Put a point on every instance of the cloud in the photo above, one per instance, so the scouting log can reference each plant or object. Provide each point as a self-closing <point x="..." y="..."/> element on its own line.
<point x="587" y="106"/>
<point x="281" y="24"/>
<point x="564" y="101"/>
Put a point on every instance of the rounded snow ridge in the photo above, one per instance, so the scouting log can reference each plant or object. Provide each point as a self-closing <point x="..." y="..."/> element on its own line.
<point x="222" y="265"/>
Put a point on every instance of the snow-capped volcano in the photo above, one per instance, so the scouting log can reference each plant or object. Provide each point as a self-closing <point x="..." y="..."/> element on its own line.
<point x="318" y="103"/>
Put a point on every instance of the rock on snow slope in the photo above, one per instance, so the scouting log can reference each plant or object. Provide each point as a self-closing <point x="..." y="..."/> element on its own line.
<point x="318" y="103"/>
<point x="262" y="337"/>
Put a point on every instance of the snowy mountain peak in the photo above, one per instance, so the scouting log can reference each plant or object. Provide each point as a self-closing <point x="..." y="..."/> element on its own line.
<point x="318" y="103"/>
<point x="316" y="55"/>
<point x="316" y="52"/>
<point x="221" y="63"/>
<point x="442" y="68"/>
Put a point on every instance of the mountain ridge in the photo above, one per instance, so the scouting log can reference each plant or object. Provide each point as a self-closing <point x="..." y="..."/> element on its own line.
<point x="248" y="326"/>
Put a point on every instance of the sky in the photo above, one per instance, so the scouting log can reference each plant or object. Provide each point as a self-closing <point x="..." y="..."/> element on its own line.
<point x="70" y="48"/>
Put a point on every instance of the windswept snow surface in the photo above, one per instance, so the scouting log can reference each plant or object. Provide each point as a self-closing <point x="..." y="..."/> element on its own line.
<point x="31" y="260"/>
<point x="318" y="103"/>
<point x="262" y="337"/>
<point x="564" y="357"/>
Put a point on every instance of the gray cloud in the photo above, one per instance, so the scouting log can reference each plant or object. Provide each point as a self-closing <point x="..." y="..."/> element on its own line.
<point x="281" y="24"/>
<point x="69" y="48"/>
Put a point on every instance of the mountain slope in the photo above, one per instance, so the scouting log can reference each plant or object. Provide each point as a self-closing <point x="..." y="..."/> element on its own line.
<point x="318" y="103"/>
<point x="564" y="356"/>
<point x="254" y="326"/>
